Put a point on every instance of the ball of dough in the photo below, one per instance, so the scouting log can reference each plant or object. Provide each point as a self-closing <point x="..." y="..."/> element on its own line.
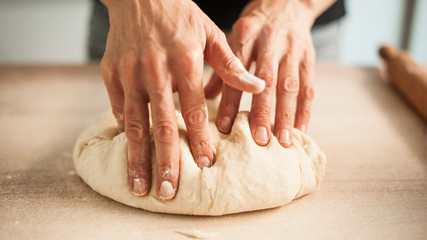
<point x="245" y="176"/>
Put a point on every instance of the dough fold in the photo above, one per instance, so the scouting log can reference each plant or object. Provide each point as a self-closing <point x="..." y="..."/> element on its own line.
<point x="245" y="177"/>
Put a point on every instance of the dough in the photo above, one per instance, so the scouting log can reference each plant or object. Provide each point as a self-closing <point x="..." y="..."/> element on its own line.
<point x="245" y="177"/>
<point x="197" y="234"/>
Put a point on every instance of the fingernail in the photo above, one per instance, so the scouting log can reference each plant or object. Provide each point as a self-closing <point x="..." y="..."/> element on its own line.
<point x="285" y="137"/>
<point x="261" y="135"/>
<point x="203" y="162"/>
<point x="224" y="124"/>
<point x="303" y="128"/>
<point x="166" y="191"/>
<point x="139" y="187"/>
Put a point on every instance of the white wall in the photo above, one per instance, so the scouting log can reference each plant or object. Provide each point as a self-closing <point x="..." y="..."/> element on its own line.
<point x="367" y="25"/>
<point x="55" y="31"/>
<point x="52" y="31"/>
<point x="418" y="41"/>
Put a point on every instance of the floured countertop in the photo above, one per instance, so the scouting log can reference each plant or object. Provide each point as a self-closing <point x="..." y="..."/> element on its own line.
<point x="375" y="185"/>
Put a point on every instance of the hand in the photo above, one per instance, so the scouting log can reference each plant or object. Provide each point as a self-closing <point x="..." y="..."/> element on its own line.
<point x="155" y="48"/>
<point x="275" y="34"/>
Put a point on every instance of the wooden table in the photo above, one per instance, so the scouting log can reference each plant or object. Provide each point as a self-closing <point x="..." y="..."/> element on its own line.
<point x="375" y="185"/>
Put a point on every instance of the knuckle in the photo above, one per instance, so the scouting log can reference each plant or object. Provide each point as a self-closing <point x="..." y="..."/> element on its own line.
<point x="131" y="87"/>
<point x="157" y="89"/>
<point x="269" y="78"/>
<point x="195" y="117"/>
<point x="164" y="131"/>
<point x="189" y="62"/>
<point x="132" y="94"/>
<point x="292" y="39"/>
<point x="190" y="55"/>
<point x="229" y="62"/>
<point x="107" y="69"/>
<point x="134" y="131"/>
<point x="146" y="60"/>
<point x="288" y="59"/>
<point x="152" y="64"/>
<point x="308" y="93"/>
<point x="128" y="62"/>
<point x="127" y="67"/>
<point x="273" y="27"/>
<point x="218" y="44"/>
<point x="290" y="85"/>
<point x="218" y="38"/>
<point x="307" y="64"/>
<point x="286" y="115"/>
<point x="304" y="113"/>
<point x="261" y="114"/>
<point x="106" y="64"/>
<point x="243" y="26"/>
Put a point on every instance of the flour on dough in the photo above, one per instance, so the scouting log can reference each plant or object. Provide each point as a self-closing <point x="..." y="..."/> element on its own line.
<point x="197" y="234"/>
<point x="245" y="176"/>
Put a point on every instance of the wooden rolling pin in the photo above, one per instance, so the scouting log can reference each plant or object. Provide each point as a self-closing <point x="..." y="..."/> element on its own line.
<point x="408" y="77"/>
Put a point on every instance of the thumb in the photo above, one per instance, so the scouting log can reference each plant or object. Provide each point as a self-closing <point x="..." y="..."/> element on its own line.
<point x="228" y="67"/>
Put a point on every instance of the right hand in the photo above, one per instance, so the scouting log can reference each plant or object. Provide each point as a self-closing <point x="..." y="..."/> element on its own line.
<point x="155" y="48"/>
<point x="276" y="35"/>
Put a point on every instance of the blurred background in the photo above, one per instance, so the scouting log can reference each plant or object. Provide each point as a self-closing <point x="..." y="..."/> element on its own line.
<point x="55" y="31"/>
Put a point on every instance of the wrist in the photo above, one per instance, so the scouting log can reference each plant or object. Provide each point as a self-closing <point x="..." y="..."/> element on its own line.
<point x="121" y="9"/>
<point x="309" y="10"/>
<point x="301" y="11"/>
<point x="317" y="7"/>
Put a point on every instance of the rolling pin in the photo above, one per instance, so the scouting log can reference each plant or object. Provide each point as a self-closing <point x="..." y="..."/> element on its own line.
<point x="408" y="77"/>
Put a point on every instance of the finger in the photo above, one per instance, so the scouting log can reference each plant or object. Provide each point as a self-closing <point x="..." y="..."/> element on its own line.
<point x="228" y="108"/>
<point x="242" y="46"/>
<point x="195" y="115"/>
<point x="229" y="68"/>
<point x="165" y="134"/>
<point x="286" y="99"/>
<point x="214" y="87"/>
<point x="266" y="69"/>
<point x="137" y="132"/>
<point x="115" y="91"/>
<point x="189" y="67"/>
<point x="306" y="92"/>
<point x="230" y="100"/>
<point x="269" y="50"/>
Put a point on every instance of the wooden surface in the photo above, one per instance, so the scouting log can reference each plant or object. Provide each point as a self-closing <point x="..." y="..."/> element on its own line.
<point x="375" y="185"/>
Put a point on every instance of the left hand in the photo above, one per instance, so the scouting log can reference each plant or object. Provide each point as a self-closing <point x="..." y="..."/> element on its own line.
<point x="276" y="35"/>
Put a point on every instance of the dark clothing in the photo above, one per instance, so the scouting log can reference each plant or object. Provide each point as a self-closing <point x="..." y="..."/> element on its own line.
<point x="335" y="12"/>
<point x="225" y="12"/>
